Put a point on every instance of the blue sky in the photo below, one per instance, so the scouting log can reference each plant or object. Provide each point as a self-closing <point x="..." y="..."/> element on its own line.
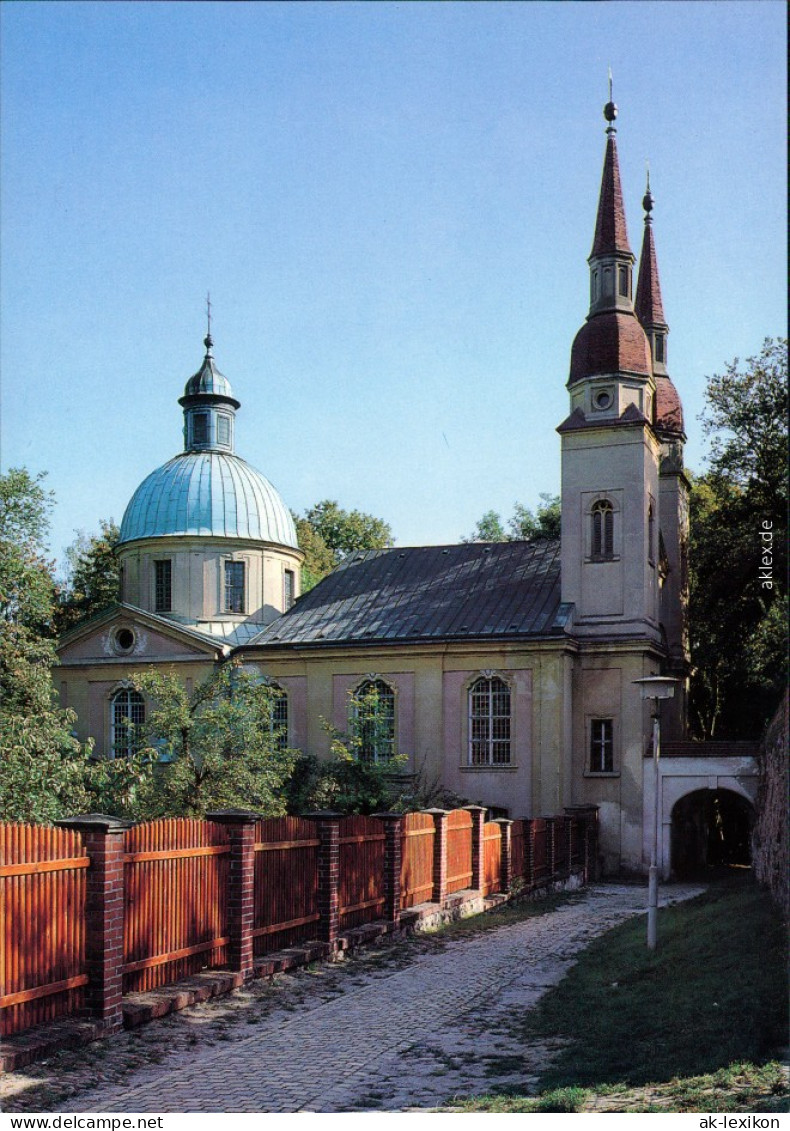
<point x="392" y="205"/>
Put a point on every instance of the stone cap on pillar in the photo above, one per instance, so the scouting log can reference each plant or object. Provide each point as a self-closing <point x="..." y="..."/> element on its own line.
<point x="322" y="815"/>
<point x="101" y="821"/>
<point x="504" y="821"/>
<point x="437" y="812"/>
<point x="233" y="816"/>
<point x="388" y="816"/>
<point x="474" y="808"/>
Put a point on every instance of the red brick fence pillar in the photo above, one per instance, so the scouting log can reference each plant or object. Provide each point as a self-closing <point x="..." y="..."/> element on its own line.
<point x="393" y="852"/>
<point x="240" y="824"/>
<point x="439" y="893"/>
<point x="477" y="813"/>
<point x="328" y="827"/>
<point x="104" y="910"/>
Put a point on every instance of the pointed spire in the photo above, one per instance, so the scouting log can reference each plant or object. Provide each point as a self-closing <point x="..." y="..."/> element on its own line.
<point x="611" y="235"/>
<point x="648" y="305"/>
<point x="208" y="341"/>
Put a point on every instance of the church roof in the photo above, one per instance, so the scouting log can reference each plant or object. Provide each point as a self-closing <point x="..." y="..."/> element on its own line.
<point x="647" y="304"/>
<point x="611" y="235"/>
<point x="208" y="493"/>
<point x="467" y="591"/>
<point x="610" y="342"/>
<point x="669" y="410"/>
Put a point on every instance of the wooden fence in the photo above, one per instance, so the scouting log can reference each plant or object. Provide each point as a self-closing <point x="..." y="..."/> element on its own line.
<point x="99" y="909"/>
<point x="416" y="875"/>
<point x="43" y="971"/>
<point x="175" y="901"/>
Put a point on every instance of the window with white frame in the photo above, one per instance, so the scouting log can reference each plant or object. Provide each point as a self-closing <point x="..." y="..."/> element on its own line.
<point x="373" y="720"/>
<point x="279" y="717"/>
<point x="489" y="722"/>
<point x="163" y="586"/>
<point x="601" y="746"/>
<point x="127" y="716"/>
<point x="289" y="589"/>
<point x="234" y="587"/>
<point x="602" y="532"/>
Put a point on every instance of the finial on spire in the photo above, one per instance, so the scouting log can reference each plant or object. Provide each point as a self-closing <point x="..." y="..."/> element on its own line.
<point x="610" y="109"/>
<point x="208" y="341"/>
<point x="647" y="199"/>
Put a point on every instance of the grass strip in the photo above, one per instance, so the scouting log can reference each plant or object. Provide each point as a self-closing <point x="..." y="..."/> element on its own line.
<point x="714" y="993"/>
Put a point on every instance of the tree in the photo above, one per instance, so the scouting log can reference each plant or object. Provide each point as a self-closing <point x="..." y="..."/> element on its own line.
<point x="327" y="534"/>
<point x="738" y="550"/>
<point x="523" y="525"/>
<point x="212" y="748"/>
<point x="93" y="576"/>
<point x="350" y="780"/>
<point x="44" y="771"/>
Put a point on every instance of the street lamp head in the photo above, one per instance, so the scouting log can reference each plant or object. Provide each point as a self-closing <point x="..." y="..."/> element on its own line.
<point x="656" y="686"/>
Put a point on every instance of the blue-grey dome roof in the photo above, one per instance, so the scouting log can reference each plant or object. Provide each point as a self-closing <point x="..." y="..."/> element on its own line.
<point x="208" y="493"/>
<point x="209" y="380"/>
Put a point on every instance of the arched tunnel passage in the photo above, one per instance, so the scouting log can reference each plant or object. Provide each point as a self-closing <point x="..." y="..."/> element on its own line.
<point x="711" y="828"/>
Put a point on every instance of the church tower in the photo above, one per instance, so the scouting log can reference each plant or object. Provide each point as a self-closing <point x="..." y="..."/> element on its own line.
<point x="610" y="452"/>
<point x="673" y="488"/>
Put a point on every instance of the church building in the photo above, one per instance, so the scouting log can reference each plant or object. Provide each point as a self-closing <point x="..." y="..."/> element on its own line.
<point x="504" y="671"/>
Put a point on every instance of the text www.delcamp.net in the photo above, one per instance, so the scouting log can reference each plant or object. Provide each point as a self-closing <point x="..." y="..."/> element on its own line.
<point x="84" y="1122"/>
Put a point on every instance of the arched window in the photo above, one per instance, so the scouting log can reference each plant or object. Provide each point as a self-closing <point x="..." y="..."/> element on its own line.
<point x="489" y="722"/>
<point x="127" y="716"/>
<point x="602" y="541"/>
<point x="278" y="721"/>
<point x="373" y="720"/>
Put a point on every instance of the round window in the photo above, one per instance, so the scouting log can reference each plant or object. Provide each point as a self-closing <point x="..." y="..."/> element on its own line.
<point x="124" y="640"/>
<point x="603" y="399"/>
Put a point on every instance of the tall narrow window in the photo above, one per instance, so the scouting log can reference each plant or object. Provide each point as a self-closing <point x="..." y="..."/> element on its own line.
<point x="279" y="717"/>
<point x="622" y="274"/>
<point x="234" y="587"/>
<point x="163" y="585"/>
<point x="660" y="355"/>
<point x="594" y="286"/>
<point x="200" y="428"/>
<point x="373" y="720"/>
<point x="608" y="286"/>
<point x="289" y="589"/>
<point x="602" y="517"/>
<point x="651" y="534"/>
<point x="601" y="746"/>
<point x="127" y="715"/>
<point x="489" y="722"/>
<point x="223" y="429"/>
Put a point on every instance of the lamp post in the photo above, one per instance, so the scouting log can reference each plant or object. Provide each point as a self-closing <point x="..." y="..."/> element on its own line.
<point x="655" y="687"/>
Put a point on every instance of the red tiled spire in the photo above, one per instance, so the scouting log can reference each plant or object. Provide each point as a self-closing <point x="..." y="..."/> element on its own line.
<point x="648" y="305"/>
<point x="610" y="231"/>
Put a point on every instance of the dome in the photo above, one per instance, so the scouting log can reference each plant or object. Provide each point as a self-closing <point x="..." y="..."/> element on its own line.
<point x="210" y="494"/>
<point x="208" y="381"/>
<point x="669" y="410"/>
<point x="612" y="342"/>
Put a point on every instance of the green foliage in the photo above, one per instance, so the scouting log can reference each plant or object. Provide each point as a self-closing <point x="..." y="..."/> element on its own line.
<point x="523" y="525"/>
<point x="327" y="533"/>
<point x="737" y="623"/>
<point x="351" y="780"/>
<point x="221" y="749"/>
<point x="44" y="771"/>
<point x="319" y="559"/>
<point x="27" y="588"/>
<point x="746" y="415"/>
<point x="93" y="576"/>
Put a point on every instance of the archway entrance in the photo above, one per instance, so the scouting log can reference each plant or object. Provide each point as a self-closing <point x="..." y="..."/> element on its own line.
<point x="711" y="828"/>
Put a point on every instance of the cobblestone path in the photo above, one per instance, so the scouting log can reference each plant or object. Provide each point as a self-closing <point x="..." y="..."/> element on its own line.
<point x="414" y="1038"/>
